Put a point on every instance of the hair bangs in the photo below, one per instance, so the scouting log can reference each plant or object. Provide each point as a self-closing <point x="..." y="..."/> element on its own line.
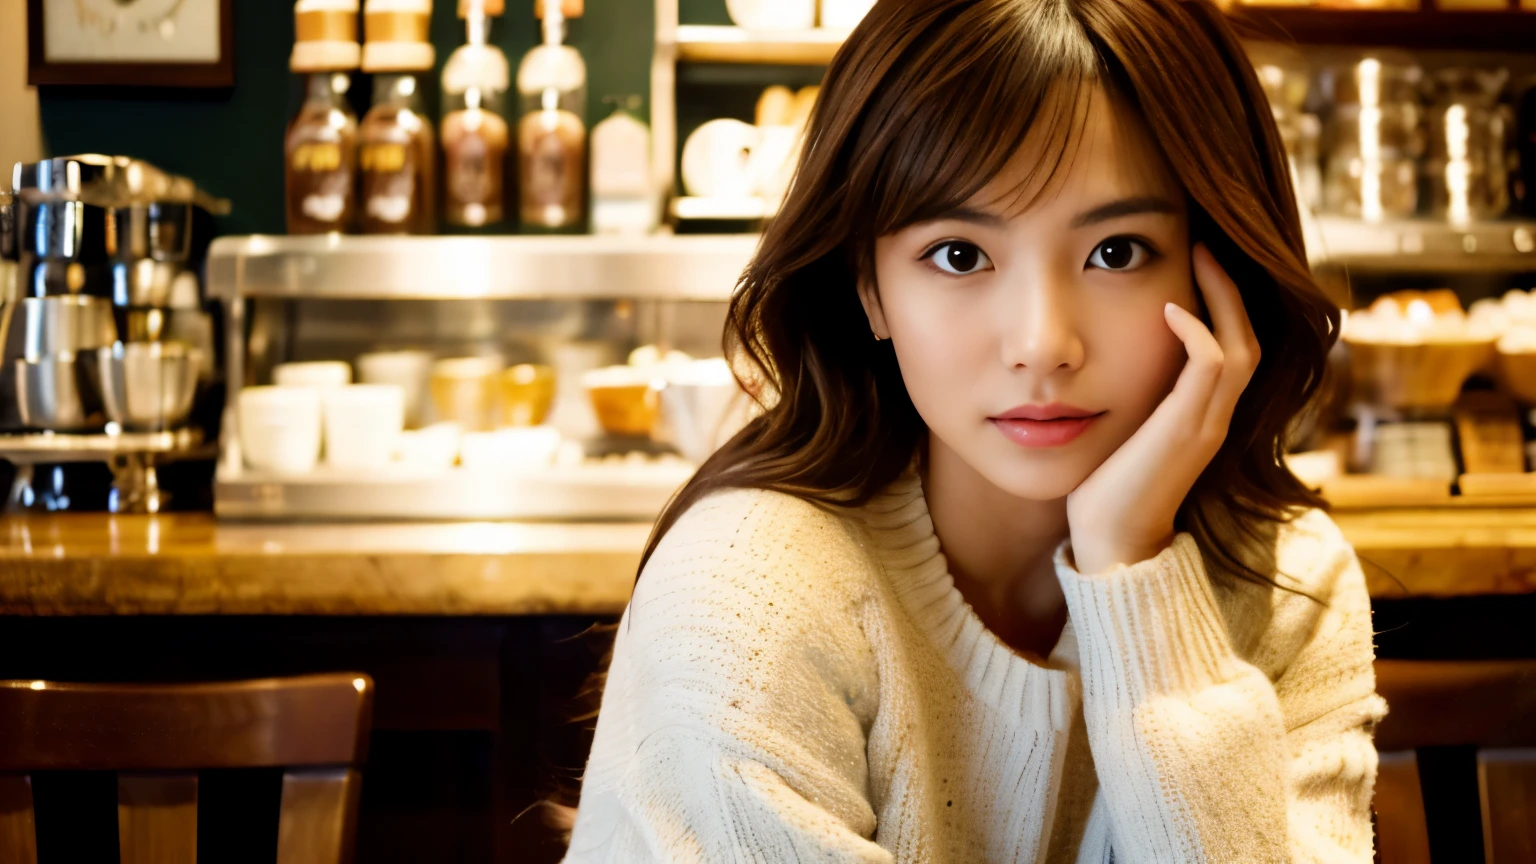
<point x="952" y="114"/>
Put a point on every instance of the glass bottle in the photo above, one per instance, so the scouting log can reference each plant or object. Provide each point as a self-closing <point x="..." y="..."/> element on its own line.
<point x="475" y="134"/>
<point x="552" y="131"/>
<point x="320" y="155"/>
<point x="623" y="201"/>
<point x="396" y="160"/>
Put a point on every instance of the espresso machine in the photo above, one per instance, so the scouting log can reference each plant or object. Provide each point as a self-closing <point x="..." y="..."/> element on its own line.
<point x="107" y="349"/>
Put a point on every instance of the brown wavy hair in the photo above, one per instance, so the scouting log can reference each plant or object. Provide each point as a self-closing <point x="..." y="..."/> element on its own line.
<point x="920" y="109"/>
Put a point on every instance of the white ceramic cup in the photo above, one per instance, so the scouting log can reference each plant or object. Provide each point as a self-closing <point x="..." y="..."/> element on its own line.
<point x="772" y="165"/>
<point x="325" y="373"/>
<point x="408" y="370"/>
<point x="523" y="448"/>
<point x="703" y="408"/>
<point x="433" y="448"/>
<point x="773" y="14"/>
<point x="280" y="428"/>
<point x="844" y="14"/>
<point x="717" y="159"/>
<point x="362" y="425"/>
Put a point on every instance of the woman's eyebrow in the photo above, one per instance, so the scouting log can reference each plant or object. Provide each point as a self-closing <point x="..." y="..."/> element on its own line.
<point x="969" y="214"/>
<point x="1124" y="207"/>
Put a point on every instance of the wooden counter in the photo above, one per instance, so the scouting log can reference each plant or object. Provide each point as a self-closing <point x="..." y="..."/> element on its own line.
<point x="89" y="564"/>
<point x="1445" y="551"/>
<point x="97" y="564"/>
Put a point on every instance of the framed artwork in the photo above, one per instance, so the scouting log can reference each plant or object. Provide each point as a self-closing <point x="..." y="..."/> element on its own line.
<point x="135" y="43"/>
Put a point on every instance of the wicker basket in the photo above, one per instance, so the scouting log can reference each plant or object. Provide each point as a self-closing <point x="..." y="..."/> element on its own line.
<point x="1517" y="372"/>
<point x="1418" y="375"/>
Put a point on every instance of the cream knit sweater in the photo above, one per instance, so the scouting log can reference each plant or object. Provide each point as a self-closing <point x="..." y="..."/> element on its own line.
<point x="793" y="684"/>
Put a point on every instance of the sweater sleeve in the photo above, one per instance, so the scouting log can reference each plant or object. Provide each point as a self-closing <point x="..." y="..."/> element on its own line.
<point x="1201" y="756"/>
<point x="734" y="720"/>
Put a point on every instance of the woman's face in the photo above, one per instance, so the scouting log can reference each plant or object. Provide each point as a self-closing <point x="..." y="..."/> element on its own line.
<point x="1031" y="335"/>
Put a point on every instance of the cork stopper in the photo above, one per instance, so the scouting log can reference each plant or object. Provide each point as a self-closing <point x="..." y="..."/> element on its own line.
<point x="397" y="34"/>
<point x="493" y="8"/>
<point x="568" y="8"/>
<point x="325" y="36"/>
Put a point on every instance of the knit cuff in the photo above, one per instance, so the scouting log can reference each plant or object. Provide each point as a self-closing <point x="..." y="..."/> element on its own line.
<point x="1154" y="625"/>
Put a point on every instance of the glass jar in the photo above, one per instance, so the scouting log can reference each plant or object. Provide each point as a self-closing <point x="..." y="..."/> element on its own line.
<point x="1466" y="168"/>
<point x="1375" y="140"/>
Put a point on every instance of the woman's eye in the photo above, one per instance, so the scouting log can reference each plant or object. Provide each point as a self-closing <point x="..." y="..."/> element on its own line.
<point x="1119" y="253"/>
<point x="959" y="259"/>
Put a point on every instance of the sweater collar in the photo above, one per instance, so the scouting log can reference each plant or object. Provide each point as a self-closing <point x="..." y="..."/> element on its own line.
<point x="901" y="531"/>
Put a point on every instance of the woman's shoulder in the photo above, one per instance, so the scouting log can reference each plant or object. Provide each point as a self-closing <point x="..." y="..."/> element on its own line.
<point x="739" y="545"/>
<point x="750" y="580"/>
<point x="1312" y="555"/>
<point x="1320" y="604"/>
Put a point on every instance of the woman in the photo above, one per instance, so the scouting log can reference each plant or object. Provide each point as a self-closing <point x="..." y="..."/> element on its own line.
<point x="1011" y="569"/>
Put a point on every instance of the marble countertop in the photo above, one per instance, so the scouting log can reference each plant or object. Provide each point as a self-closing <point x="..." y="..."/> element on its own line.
<point x="96" y="564"/>
<point x="90" y="564"/>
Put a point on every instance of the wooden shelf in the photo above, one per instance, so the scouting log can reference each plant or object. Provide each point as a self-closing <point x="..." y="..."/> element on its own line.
<point x="715" y="44"/>
<point x="1368" y="491"/>
<point x="1427" y="28"/>
<point x="748" y="209"/>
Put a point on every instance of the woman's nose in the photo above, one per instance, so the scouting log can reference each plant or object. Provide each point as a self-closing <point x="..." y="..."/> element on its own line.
<point x="1040" y="328"/>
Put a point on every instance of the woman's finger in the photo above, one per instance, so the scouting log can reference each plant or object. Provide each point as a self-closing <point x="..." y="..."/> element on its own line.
<point x="1233" y="329"/>
<point x="1184" y="411"/>
<point x="1203" y="370"/>
<point x="1164" y="439"/>
<point x="1229" y="317"/>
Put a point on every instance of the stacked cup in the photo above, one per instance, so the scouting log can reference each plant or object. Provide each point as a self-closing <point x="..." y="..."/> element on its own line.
<point x="313" y="408"/>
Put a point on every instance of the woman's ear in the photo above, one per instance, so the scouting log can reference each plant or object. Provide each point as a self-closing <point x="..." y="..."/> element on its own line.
<point x="869" y="298"/>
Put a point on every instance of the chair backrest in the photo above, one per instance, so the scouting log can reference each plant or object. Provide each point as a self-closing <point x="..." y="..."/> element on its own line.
<point x="1489" y="705"/>
<point x="157" y="736"/>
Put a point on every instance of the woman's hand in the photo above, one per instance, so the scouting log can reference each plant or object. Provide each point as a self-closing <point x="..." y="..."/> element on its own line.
<point x="1123" y="513"/>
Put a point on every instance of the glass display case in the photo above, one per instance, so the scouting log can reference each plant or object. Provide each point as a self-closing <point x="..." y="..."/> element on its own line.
<point x="471" y="377"/>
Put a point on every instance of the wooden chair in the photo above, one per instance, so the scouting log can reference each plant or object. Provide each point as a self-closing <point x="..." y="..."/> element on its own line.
<point x="1488" y="705"/>
<point x="158" y="736"/>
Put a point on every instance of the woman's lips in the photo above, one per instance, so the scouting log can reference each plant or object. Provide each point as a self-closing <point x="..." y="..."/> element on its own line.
<point x="1044" y="433"/>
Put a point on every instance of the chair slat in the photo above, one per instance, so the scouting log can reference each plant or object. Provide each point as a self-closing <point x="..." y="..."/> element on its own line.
<point x="157" y="736"/>
<point x="1442" y="703"/>
<point x="157" y="818"/>
<point x="1507" y="785"/>
<point x="315" y="825"/>
<point x="279" y="723"/>
<point x="1403" y="837"/>
<point x="18" y="831"/>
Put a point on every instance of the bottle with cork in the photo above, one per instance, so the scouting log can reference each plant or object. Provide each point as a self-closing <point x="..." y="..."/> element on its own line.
<point x="475" y="135"/>
<point x="397" y="157"/>
<point x="552" y="128"/>
<point x="320" y="148"/>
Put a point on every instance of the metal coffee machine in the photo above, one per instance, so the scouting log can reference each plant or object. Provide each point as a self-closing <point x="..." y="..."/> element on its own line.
<point x="107" y="348"/>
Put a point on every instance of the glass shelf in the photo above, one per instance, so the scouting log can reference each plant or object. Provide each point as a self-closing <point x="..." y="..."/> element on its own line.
<point x="699" y="267"/>
<point x="1423" y="246"/>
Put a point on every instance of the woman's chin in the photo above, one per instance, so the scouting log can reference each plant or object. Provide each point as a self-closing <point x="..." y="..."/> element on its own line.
<point x="1035" y="479"/>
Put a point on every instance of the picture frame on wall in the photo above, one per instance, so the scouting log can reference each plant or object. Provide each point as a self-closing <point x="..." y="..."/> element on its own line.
<point x="131" y="43"/>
